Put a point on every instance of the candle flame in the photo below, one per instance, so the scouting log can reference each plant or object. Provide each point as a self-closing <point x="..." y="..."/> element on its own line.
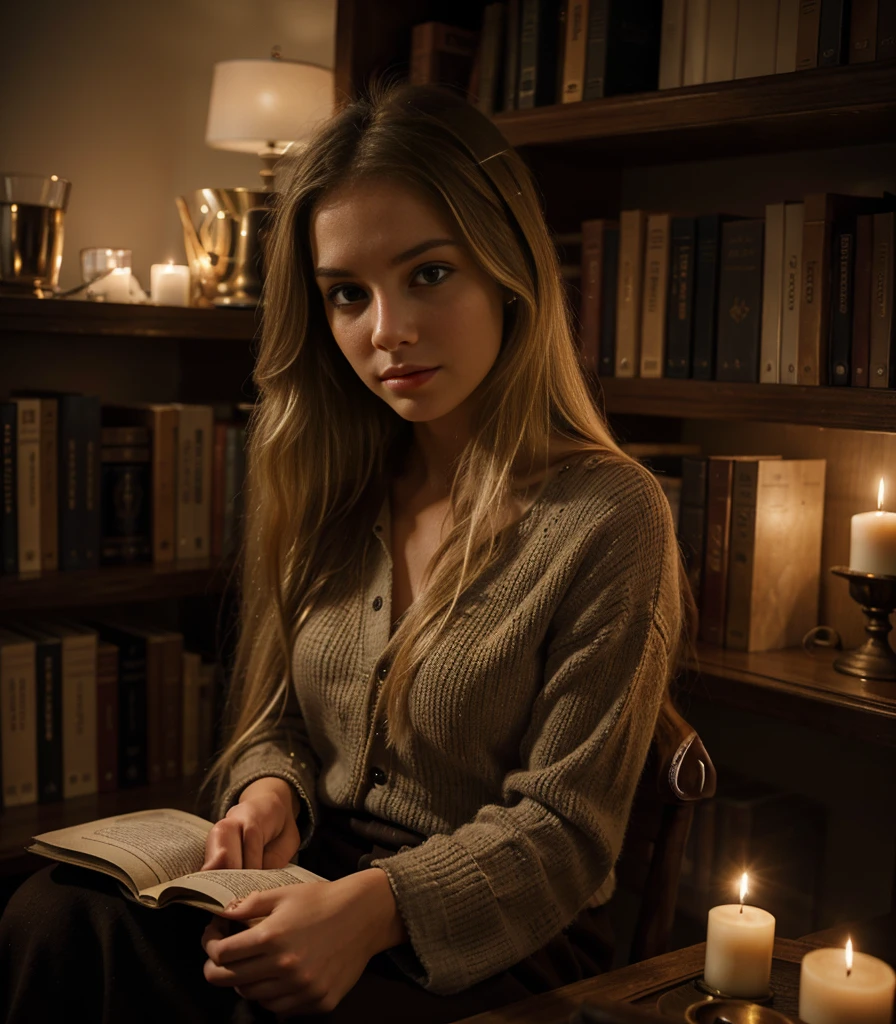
<point x="880" y="495"/>
<point x="848" y="957"/>
<point x="744" y="888"/>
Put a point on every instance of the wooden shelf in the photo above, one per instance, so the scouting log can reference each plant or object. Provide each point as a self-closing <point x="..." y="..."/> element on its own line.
<point x="18" y="825"/>
<point x="816" y="109"/>
<point x="113" y="319"/>
<point x="846" y="408"/>
<point x="112" y="585"/>
<point x="798" y="687"/>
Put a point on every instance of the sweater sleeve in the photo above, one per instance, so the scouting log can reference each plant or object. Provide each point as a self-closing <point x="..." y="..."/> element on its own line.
<point x="503" y="884"/>
<point x="279" y="748"/>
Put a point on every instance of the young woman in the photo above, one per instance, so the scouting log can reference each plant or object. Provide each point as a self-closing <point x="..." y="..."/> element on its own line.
<point x="462" y="604"/>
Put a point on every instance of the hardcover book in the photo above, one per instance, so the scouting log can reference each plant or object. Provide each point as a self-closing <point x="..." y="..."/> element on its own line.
<point x="861" y="301"/>
<point x="863" y="31"/>
<point x="106" y="717"/>
<point x="706" y="295"/>
<point x="594" y="235"/>
<point x="756" y="50"/>
<point x="28" y="490"/>
<point x="18" y="721"/>
<point x="740" y="301"/>
<point x="9" y="532"/>
<point x="680" y="306"/>
<point x="672" y="43"/>
<point x="632" y="225"/>
<point x="623" y="47"/>
<point x="656" y="283"/>
<point x="788" y="27"/>
<point x="772" y="295"/>
<point x="882" y="371"/>
<point x="575" y="51"/>
<point x="794" y="214"/>
<point x="695" y="40"/>
<point x="442" y="55"/>
<point x="539" y="46"/>
<point x="721" y="40"/>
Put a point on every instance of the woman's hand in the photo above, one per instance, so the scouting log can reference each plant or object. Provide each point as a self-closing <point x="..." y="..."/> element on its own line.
<point x="306" y="944"/>
<point x="258" y="832"/>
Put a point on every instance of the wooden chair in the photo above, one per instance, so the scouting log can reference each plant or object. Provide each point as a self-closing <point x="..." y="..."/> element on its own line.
<point x="677" y="774"/>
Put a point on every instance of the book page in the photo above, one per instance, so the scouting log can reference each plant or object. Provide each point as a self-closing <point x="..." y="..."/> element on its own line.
<point x="151" y="847"/>
<point x="215" y="889"/>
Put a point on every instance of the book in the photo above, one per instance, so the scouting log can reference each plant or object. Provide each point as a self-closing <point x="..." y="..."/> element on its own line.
<point x="740" y="301"/>
<point x="656" y="283"/>
<point x="190" y="714"/>
<point x="28" y="489"/>
<point x="9" y="519"/>
<point x="882" y="357"/>
<point x="539" y="45"/>
<point x="594" y="234"/>
<point x="692" y="520"/>
<point x="672" y="43"/>
<point x="491" y="48"/>
<point x="695" y="40"/>
<point x="91" y="519"/>
<point x="106" y="717"/>
<point x="832" y="33"/>
<point x="156" y="856"/>
<point x="607" y="349"/>
<point x="575" y="51"/>
<point x="706" y="295"/>
<point x="623" y="47"/>
<point x="756" y="49"/>
<point x="126" y="496"/>
<point x="772" y="295"/>
<point x="680" y="304"/>
<point x="841" y="314"/>
<point x="18" y="720"/>
<point x="790" y="293"/>
<point x="863" y="31"/>
<point x="632" y="225"/>
<point x="49" y="512"/>
<point x="442" y="54"/>
<point x="861" y="301"/>
<point x="807" y="31"/>
<point x="777" y="515"/>
<point x="788" y="26"/>
<point x="721" y="40"/>
<point x="886" y="30"/>
<point x="511" y="55"/>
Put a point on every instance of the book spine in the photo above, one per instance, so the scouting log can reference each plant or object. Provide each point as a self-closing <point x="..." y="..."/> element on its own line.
<point x="592" y="279"/>
<point x="757" y="45"/>
<point x="18" y="722"/>
<point x="48" y="686"/>
<point x="692" y="521"/>
<point x="807" y="34"/>
<point x="841" y="314"/>
<point x="79" y="739"/>
<point x="863" y="31"/>
<point x="155" y="674"/>
<point x="832" y="33"/>
<point x="633" y="51"/>
<point x="28" y="483"/>
<point x="490" y="50"/>
<point x="202" y="479"/>
<point x="609" y="288"/>
<point x="721" y="40"/>
<point x="596" y="50"/>
<point x="715" y="568"/>
<point x="629" y="289"/>
<point x="791" y="291"/>
<point x="696" y="30"/>
<point x="528" y="81"/>
<point x="69" y="483"/>
<point x="219" y="452"/>
<point x="656" y="283"/>
<point x="706" y="293"/>
<point x="422" y="62"/>
<point x="813" y="355"/>
<point x="861" y="301"/>
<point x="172" y="705"/>
<point x="680" y="308"/>
<point x="107" y="718"/>
<point x="740" y="301"/>
<point x="164" y="484"/>
<point x="9" y="532"/>
<point x="882" y="357"/>
<point x="772" y="287"/>
<point x="126" y="489"/>
<point x="190" y="714"/>
<point x="672" y="44"/>
<point x="49" y="511"/>
<point x="185" y="450"/>
<point x="92" y="527"/>
<point x="788" y="28"/>
<point x="511" y="54"/>
<point x="740" y="555"/>
<point x="575" y="52"/>
<point x="886" y="30"/>
<point x="132" y="708"/>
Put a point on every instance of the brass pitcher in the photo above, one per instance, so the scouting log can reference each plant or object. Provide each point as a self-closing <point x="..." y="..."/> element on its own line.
<point x="223" y="237"/>
<point x="32" y="211"/>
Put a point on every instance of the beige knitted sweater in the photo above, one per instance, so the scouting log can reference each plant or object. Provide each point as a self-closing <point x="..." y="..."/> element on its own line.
<point x="532" y="719"/>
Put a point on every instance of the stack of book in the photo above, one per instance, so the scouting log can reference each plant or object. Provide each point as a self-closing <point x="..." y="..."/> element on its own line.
<point x="86" y="484"/>
<point x="532" y="53"/>
<point x="801" y="296"/>
<point x="93" y="707"/>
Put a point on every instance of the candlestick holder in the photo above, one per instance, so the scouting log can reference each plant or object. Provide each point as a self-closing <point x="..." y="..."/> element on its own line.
<point x="876" y="594"/>
<point x="701" y="986"/>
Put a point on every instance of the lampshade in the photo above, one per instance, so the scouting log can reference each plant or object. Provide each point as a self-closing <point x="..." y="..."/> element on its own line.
<point x="266" y="104"/>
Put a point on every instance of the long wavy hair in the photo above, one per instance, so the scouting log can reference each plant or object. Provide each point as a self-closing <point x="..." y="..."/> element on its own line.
<point x="321" y="446"/>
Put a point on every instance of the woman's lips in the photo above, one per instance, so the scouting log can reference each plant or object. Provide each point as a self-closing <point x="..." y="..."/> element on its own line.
<point x="411" y="380"/>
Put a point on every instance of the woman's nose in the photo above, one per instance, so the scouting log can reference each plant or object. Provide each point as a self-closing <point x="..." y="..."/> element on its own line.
<point x="394" y="322"/>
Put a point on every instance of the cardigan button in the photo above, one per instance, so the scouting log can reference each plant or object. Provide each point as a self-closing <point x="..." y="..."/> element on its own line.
<point x="377" y="776"/>
<point x="382" y="670"/>
<point x="377" y="603"/>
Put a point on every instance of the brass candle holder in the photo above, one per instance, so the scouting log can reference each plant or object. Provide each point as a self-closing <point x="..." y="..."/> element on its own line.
<point x="876" y="594"/>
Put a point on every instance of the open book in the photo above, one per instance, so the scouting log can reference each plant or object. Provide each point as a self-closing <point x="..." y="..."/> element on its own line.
<point x="156" y="856"/>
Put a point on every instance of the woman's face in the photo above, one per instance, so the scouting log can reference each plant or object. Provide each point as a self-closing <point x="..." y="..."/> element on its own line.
<point x="410" y="310"/>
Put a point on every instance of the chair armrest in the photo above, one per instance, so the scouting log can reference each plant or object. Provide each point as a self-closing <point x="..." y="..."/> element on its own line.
<point x="685" y="771"/>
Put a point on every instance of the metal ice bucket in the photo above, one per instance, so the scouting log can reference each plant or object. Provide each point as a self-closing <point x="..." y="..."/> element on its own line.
<point x="223" y="230"/>
<point x="32" y="210"/>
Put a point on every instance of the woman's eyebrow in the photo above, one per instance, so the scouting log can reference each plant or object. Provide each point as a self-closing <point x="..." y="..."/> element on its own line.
<point x="402" y="257"/>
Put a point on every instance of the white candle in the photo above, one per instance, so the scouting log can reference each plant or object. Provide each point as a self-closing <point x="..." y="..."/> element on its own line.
<point x="739" y="945"/>
<point x="169" y="284"/>
<point x="114" y="287"/>
<point x="832" y="993"/>
<point x="872" y="540"/>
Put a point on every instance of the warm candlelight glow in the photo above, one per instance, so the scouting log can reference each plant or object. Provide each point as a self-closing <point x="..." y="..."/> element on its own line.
<point x="880" y="495"/>
<point x="744" y="889"/>
<point x="848" y="957"/>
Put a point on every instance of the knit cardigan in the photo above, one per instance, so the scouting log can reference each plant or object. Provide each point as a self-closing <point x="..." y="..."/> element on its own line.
<point x="531" y="718"/>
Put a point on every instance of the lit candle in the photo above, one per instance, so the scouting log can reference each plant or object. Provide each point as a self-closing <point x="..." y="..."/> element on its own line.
<point x="169" y="284"/>
<point x="872" y="540"/>
<point x="851" y="989"/>
<point x="114" y="287"/>
<point x="739" y="945"/>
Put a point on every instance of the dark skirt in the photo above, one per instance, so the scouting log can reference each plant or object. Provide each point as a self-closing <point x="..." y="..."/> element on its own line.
<point x="70" y="943"/>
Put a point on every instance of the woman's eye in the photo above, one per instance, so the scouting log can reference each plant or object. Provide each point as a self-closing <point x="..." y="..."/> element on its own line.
<point x="428" y="273"/>
<point x="344" y="294"/>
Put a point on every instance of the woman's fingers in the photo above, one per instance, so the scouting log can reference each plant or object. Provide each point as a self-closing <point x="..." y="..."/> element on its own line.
<point x="224" y="846"/>
<point x="242" y="972"/>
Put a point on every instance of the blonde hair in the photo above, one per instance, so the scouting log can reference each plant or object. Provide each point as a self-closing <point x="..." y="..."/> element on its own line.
<point x="322" y="446"/>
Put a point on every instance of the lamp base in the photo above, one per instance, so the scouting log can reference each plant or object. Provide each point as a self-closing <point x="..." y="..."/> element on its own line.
<point x="875" y="658"/>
